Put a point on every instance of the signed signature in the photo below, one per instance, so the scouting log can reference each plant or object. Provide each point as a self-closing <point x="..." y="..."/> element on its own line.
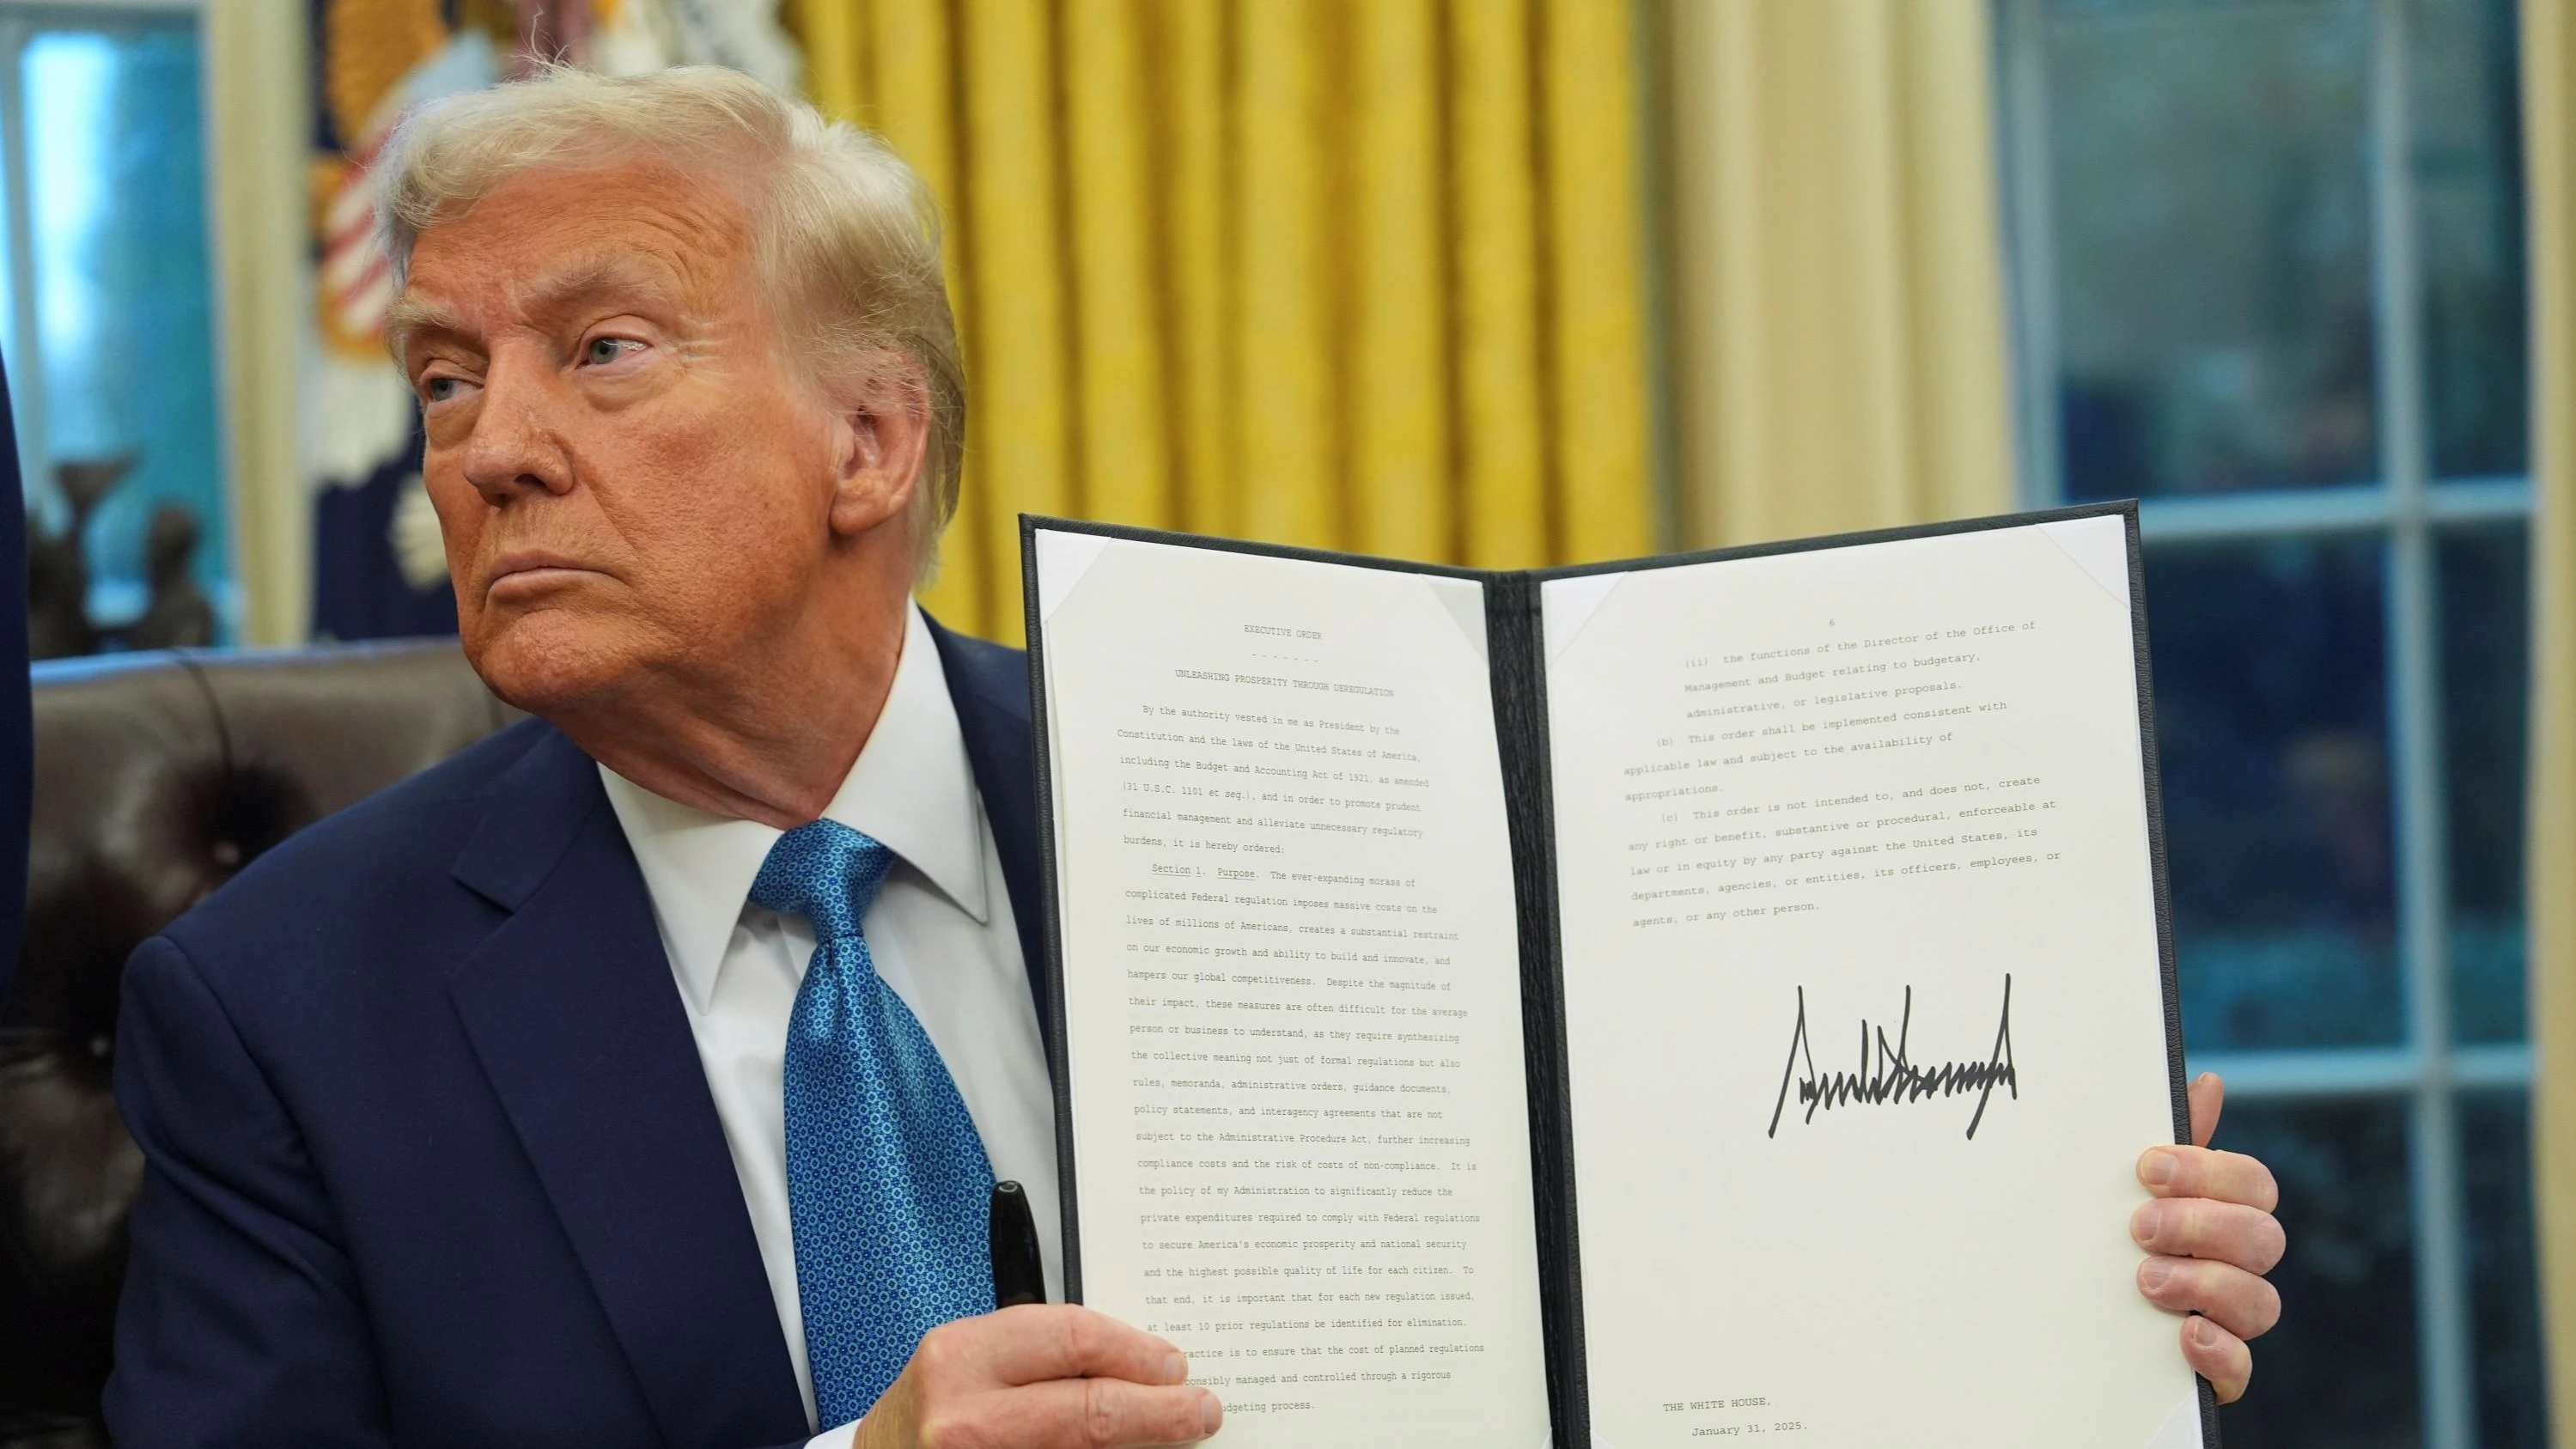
<point x="1892" y="1078"/>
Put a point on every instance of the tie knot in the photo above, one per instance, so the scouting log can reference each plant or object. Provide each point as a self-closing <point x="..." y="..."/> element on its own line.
<point x="825" y="872"/>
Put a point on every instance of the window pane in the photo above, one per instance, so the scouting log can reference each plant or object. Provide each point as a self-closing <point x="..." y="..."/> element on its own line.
<point x="2272" y="724"/>
<point x="2208" y="171"/>
<point x="2484" y="581"/>
<point x="2465" y="105"/>
<point x="2504" y="1270"/>
<point x="2340" y="1371"/>
<point x="116" y="193"/>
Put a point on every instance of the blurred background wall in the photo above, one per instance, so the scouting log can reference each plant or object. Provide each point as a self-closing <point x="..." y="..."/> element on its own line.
<point x="1513" y="282"/>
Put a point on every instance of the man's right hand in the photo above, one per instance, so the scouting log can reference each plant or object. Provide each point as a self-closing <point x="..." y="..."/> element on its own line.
<point x="1041" y="1376"/>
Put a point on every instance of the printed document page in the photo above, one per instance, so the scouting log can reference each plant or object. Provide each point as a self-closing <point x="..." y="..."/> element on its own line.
<point x="1292" y="1000"/>
<point x="1865" y="1015"/>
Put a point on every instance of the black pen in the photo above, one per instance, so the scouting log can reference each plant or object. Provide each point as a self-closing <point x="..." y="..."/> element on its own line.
<point x="1018" y="1276"/>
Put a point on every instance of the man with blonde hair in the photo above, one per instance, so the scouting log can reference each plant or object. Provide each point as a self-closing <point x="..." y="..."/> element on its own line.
<point x="639" y="1075"/>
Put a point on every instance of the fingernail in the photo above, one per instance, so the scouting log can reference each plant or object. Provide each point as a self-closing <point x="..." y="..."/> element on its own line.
<point x="2155" y="1274"/>
<point x="2159" y="1169"/>
<point x="1211" y="1414"/>
<point x="1176" y="1369"/>
<point x="2149" y="1218"/>
<point x="2204" y="1334"/>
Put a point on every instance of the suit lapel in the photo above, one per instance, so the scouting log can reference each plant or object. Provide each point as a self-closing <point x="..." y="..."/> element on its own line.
<point x="572" y="1010"/>
<point x="990" y="686"/>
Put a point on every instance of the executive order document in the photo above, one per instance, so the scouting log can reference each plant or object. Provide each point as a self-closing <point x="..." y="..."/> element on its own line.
<point x="1715" y="998"/>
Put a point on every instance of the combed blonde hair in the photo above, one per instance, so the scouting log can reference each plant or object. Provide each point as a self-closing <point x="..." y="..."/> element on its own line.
<point x="847" y="234"/>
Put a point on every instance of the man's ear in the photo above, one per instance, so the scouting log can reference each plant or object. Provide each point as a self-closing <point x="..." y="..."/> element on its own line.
<point x="881" y="426"/>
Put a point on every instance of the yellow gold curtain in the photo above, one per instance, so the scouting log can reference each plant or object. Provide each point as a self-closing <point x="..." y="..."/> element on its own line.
<point x="2549" y="124"/>
<point x="1361" y="274"/>
<point x="1837" y="291"/>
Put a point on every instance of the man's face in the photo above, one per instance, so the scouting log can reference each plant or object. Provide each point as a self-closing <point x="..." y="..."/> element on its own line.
<point x="632" y="480"/>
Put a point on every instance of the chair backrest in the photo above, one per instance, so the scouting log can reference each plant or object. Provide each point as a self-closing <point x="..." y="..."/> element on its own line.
<point x="157" y="777"/>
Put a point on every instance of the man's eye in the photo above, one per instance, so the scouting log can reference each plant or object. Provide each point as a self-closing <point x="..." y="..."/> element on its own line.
<point x="439" y="389"/>
<point x="604" y="350"/>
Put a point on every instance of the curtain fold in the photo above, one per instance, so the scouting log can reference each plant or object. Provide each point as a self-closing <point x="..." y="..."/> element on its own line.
<point x="1400" y="497"/>
<point x="2549" y="123"/>
<point x="1597" y="372"/>
<point x="1019" y="441"/>
<point x="1838" y="335"/>
<point x="1285" y="324"/>
<point x="1194" y="137"/>
<point x="1501" y="453"/>
<point x="1360" y="274"/>
<point x="1119" y="348"/>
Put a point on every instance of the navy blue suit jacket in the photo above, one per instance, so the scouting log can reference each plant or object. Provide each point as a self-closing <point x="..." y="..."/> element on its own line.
<point x="432" y="1160"/>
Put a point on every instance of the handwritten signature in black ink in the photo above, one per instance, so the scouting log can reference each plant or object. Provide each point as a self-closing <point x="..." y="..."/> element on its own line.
<point x="1893" y="1079"/>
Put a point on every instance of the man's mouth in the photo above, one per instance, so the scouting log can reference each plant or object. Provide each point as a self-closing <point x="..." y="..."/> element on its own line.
<point x="525" y="573"/>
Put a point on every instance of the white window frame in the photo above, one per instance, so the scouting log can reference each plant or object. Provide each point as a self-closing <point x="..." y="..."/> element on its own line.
<point x="2407" y="509"/>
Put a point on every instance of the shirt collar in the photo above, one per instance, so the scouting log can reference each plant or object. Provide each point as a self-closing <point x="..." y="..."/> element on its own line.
<point x="912" y="789"/>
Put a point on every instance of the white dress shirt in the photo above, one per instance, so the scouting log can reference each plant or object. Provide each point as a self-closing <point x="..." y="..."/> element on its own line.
<point x="942" y="935"/>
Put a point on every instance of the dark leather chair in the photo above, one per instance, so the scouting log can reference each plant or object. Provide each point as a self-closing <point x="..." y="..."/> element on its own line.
<point x="158" y="776"/>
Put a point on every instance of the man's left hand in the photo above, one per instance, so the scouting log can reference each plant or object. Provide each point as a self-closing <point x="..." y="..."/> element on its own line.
<point x="2211" y="1231"/>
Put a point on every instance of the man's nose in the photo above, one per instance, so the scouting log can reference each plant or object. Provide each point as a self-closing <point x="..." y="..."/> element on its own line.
<point x="516" y="447"/>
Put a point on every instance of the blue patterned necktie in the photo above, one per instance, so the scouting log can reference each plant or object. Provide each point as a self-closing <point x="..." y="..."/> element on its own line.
<point x="887" y="1182"/>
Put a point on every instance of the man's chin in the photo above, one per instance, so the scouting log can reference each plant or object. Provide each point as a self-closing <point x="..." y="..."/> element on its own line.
<point x="551" y="662"/>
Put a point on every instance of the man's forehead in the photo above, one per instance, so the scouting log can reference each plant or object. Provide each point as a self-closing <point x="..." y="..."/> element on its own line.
<point x="543" y="239"/>
<point x="592" y="273"/>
